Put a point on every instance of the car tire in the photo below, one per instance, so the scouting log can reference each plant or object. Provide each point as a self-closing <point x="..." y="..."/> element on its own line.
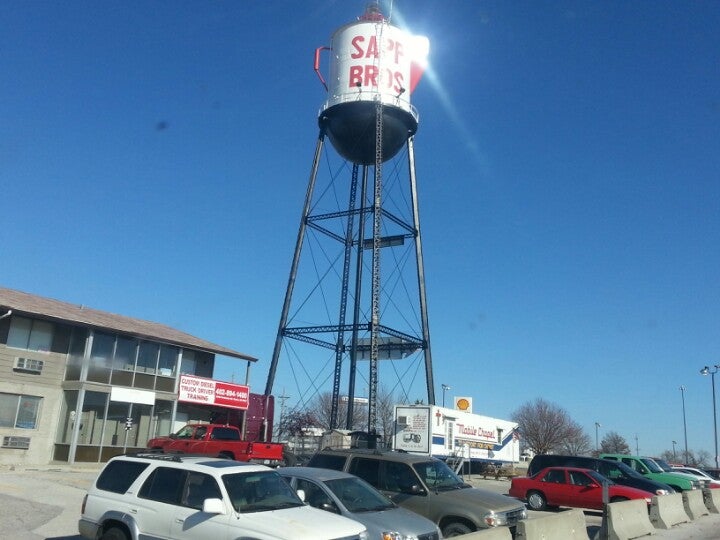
<point x="455" y="529"/>
<point x="536" y="500"/>
<point x="114" y="533"/>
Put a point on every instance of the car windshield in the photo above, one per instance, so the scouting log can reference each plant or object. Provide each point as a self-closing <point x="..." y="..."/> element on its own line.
<point x="260" y="491"/>
<point x="626" y="471"/>
<point x="436" y="475"/>
<point x="358" y="496"/>
<point x="599" y="478"/>
<point x="650" y="464"/>
<point x="664" y="465"/>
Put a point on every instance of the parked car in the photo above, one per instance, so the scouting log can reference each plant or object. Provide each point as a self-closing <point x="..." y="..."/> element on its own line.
<point x="710" y="482"/>
<point x="427" y="486"/>
<point x="616" y="471"/>
<point x="715" y="473"/>
<point x="666" y="467"/>
<point x="648" y="468"/>
<point x="195" y="498"/>
<point x="570" y="486"/>
<point x="352" y="497"/>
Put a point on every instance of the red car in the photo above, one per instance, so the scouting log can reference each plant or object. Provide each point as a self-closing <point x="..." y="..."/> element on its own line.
<point x="570" y="486"/>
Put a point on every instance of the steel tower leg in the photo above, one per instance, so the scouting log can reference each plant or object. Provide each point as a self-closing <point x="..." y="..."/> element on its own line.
<point x="356" y="309"/>
<point x="420" y="274"/>
<point x="294" y="267"/>
<point x="340" y="343"/>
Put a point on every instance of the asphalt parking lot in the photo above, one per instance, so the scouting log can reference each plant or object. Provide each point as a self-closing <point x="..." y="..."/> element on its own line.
<point x="43" y="503"/>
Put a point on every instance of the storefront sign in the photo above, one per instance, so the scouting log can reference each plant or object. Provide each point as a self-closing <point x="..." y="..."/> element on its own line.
<point x="211" y="392"/>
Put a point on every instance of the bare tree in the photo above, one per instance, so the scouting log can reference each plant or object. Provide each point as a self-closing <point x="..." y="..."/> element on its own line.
<point x="614" y="443"/>
<point x="578" y="442"/>
<point x="701" y="458"/>
<point x="322" y="408"/>
<point x="386" y="414"/>
<point x="295" y="423"/>
<point x="544" y="426"/>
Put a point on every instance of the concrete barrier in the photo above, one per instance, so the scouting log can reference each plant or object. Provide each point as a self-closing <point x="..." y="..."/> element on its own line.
<point x="694" y="504"/>
<point x="668" y="510"/>
<point x="499" y="533"/>
<point x="568" y="525"/>
<point x="712" y="500"/>
<point x="628" y="519"/>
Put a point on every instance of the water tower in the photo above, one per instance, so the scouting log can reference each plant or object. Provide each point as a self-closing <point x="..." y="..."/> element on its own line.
<point x="358" y="254"/>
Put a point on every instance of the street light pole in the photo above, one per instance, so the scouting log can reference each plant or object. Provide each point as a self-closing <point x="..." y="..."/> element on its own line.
<point x="682" y="393"/>
<point x="705" y="371"/>
<point x="445" y="388"/>
<point x="674" y="443"/>
<point x="597" y="446"/>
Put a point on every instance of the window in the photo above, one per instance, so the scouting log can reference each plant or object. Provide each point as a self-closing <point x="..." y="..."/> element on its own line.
<point x="315" y="496"/>
<point x="399" y="478"/>
<point x="17" y="411"/>
<point x="164" y="485"/>
<point x="367" y="469"/>
<point x="148" y="357"/>
<point x="328" y="462"/>
<point x="28" y="365"/>
<point x="578" y="478"/>
<point x="119" y="475"/>
<point x="200" y="487"/>
<point x="168" y="360"/>
<point x="30" y="334"/>
<point x="555" y="476"/>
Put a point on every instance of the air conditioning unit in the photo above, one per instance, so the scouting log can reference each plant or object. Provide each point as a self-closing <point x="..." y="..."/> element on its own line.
<point x="22" y="443"/>
<point x="28" y="365"/>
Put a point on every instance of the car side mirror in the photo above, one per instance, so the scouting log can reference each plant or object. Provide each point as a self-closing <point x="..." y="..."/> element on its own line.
<point x="301" y="494"/>
<point x="415" y="489"/>
<point x="329" y="507"/>
<point x="213" y="506"/>
<point x="173" y="436"/>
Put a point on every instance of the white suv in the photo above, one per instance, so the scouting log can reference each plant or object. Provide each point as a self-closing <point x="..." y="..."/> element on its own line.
<point x="182" y="497"/>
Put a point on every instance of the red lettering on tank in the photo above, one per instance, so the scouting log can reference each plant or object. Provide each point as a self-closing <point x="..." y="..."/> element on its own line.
<point x="356" y="43"/>
<point x="371" y="73"/>
<point x="355" y="78"/>
<point x="372" y="50"/>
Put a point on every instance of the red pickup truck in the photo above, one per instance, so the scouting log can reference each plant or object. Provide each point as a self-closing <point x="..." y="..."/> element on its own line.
<point x="220" y="441"/>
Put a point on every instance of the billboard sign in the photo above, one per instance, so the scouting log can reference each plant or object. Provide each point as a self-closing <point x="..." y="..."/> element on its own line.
<point x="211" y="392"/>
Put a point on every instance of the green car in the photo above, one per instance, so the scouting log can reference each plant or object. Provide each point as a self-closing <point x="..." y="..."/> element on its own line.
<point x="647" y="467"/>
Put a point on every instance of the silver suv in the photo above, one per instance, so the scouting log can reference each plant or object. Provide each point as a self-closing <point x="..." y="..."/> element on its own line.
<point x="181" y="497"/>
<point x="427" y="486"/>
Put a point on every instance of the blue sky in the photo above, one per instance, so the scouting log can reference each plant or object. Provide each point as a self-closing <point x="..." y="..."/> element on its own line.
<point x="154" y="159"/>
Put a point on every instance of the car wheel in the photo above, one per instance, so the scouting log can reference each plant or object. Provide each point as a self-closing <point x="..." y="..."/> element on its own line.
<point x="536" y="500"/>
<point x="114" y="533"/>
<point x="455" y="529"/>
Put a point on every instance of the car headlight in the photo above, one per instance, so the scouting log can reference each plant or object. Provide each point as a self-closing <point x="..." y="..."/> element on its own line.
<point x="662" y="492"/>
<point x="494" y="520"/>
<point x="391" y="536"/>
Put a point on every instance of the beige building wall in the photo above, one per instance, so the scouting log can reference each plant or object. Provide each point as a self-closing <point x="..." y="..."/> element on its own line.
<point x="46" y="385"/>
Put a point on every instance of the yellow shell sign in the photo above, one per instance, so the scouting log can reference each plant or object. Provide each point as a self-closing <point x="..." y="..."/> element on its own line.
<point x="463" y="404"/>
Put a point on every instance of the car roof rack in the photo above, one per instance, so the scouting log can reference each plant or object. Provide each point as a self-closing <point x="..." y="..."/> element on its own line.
<point x="156" y="455"/>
